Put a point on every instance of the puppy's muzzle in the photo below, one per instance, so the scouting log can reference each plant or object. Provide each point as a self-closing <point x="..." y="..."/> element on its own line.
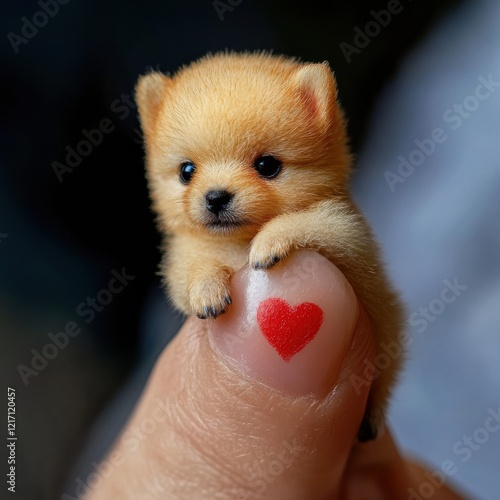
<point x="218" y="201"/>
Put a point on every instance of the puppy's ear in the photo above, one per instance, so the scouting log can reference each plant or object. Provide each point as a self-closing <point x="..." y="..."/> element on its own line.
<point x="149" y="94"/>
<point x="318" y="91"/>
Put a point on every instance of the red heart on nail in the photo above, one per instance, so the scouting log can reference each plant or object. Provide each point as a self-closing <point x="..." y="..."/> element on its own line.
<point x="289" y="329"/>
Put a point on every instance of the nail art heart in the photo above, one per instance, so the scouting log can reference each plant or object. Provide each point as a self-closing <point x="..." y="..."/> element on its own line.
<point x="289" y="329"/>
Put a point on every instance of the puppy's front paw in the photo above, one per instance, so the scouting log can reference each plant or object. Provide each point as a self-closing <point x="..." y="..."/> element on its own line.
<point x="210" y="297"/>
<point x="268" y="249"/>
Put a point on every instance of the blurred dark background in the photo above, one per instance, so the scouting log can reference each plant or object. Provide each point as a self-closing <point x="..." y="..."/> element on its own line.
<point x="61" y="237"/>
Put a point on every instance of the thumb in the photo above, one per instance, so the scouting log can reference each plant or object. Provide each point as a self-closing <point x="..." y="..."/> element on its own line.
<point x="263" y="402"/>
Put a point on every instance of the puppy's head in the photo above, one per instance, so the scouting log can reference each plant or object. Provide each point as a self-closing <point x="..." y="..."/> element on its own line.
<point x="234" y="140"/>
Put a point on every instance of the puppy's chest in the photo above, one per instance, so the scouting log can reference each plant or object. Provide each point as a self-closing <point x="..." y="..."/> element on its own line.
<point x="233" y="254"/>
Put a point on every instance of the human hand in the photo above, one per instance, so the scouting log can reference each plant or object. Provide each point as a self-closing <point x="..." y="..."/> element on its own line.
<point x="227" y="415"/>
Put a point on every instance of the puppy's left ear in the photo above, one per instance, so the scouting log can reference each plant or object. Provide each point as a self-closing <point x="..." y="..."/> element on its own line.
<point x="317" y="90"/>
<point x="150" y="92"/>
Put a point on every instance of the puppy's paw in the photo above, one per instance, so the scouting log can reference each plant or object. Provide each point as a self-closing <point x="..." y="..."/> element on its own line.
<point x="209" y="297"/>
<point x="268" y="248"/>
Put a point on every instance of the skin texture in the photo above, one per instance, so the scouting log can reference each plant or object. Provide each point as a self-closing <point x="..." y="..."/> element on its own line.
<point x="211" y="423"/>
<point x="222" y="113"/>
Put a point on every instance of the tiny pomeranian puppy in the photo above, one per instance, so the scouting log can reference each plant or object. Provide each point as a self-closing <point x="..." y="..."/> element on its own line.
<point x="247" y="161"/>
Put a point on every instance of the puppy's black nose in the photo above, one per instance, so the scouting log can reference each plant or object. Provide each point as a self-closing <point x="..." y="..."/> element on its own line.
<point x="217" y="201"/>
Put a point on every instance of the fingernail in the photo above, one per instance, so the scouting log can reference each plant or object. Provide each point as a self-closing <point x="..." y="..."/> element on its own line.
<point x="288" y="327"/>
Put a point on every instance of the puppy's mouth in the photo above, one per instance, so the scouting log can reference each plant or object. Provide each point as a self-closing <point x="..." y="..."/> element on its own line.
<point x="223" y="222"/>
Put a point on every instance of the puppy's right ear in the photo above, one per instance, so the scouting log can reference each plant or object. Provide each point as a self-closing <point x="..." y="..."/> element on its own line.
<point x="149" y="94"/>
<point x="318" y="90"/>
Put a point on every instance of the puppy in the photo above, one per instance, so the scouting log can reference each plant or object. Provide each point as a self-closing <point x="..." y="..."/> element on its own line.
<point x="247" y="161"/>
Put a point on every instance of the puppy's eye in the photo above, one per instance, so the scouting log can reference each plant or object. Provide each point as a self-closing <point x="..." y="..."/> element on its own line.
<point x="267" y="166"/>
<point x="187" y="171"/>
